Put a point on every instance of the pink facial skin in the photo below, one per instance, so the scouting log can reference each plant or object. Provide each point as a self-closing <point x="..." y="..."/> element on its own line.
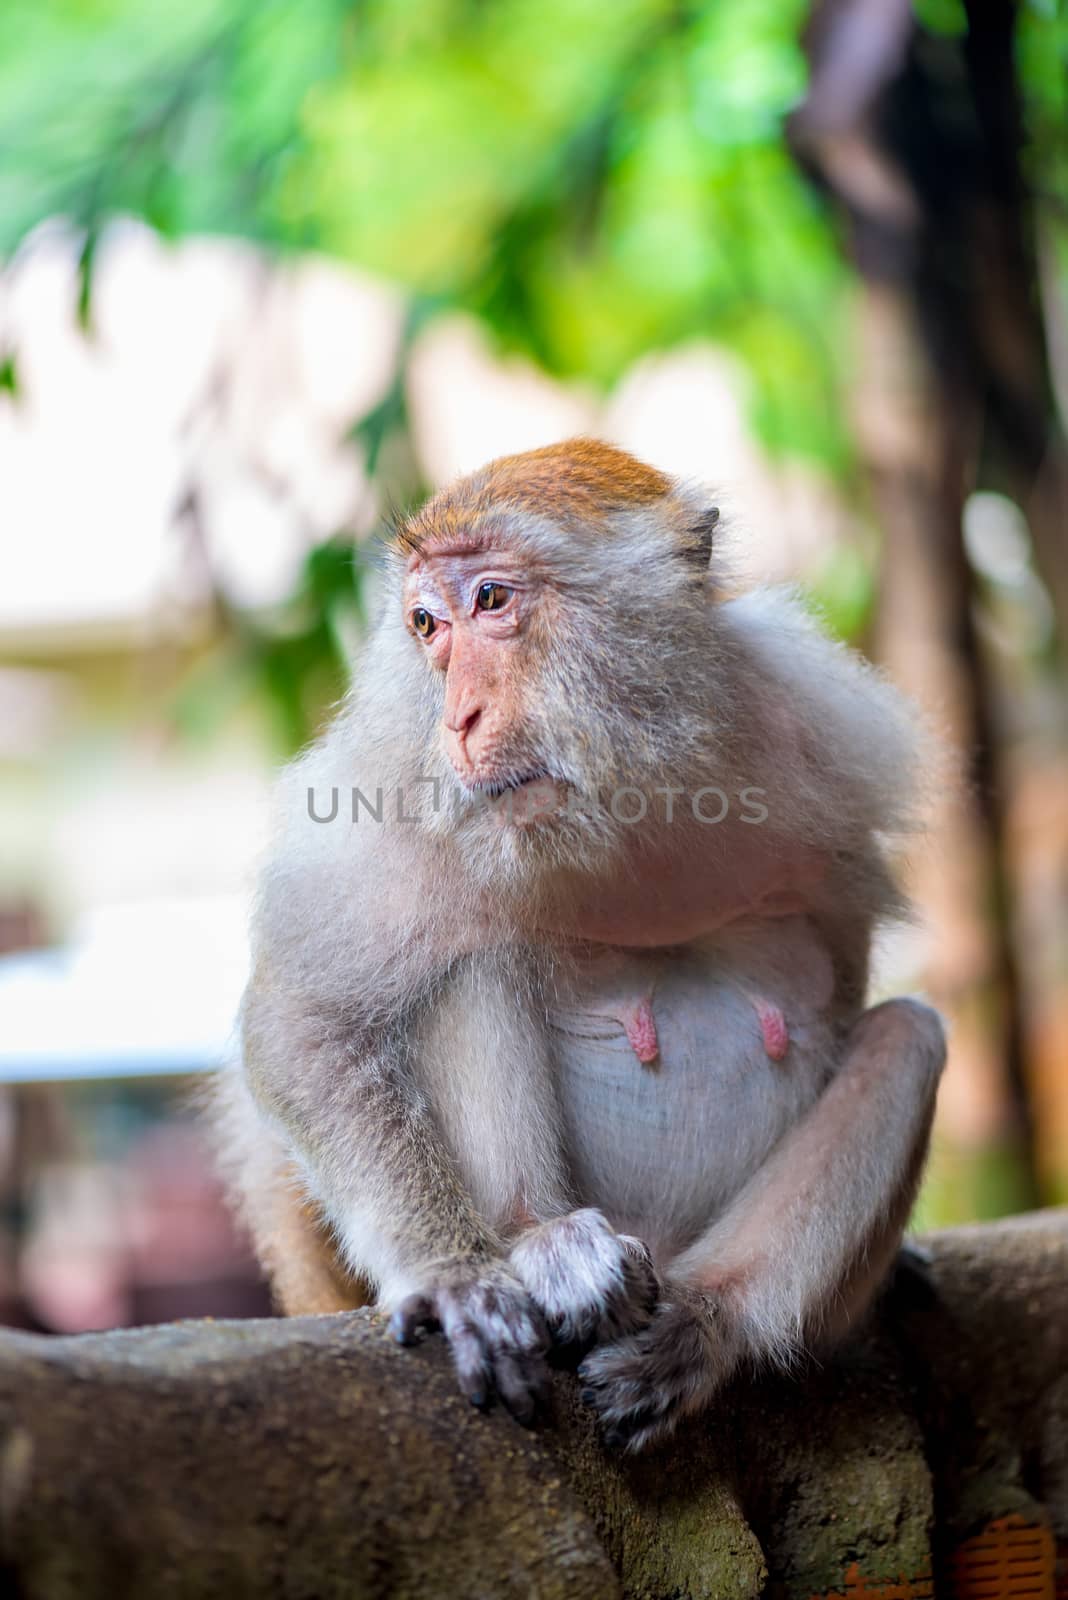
<point x="476" y="649"/>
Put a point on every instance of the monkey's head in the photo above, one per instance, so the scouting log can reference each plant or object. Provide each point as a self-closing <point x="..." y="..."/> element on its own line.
<point x="559" y="602"/>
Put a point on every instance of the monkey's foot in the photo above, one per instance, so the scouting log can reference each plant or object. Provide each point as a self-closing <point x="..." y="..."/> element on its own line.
<point x="590" y="1282"/>
<point x="642" y="1386"/>
<point x="497" y="1334"/>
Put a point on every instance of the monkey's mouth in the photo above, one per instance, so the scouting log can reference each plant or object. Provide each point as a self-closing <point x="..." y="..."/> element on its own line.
<point x="494" y="788"/>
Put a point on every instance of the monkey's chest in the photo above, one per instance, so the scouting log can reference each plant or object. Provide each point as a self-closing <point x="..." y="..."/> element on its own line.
<point x="678" y="1072"/>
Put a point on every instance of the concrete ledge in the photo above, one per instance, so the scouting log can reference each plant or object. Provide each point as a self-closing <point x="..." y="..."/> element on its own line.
<point x="314" y="1459"/>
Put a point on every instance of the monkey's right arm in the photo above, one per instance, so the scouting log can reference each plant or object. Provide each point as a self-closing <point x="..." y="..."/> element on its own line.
<point x="361" y="1133"/>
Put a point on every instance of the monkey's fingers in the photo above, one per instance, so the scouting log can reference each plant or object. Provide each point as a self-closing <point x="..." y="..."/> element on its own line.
<point x="413" y="1316"/>
<point x="498" y="1339"/>
<point x="471" y="1358"/>
<point x="634" y="1410"/>
<point x="522" y="1381"/>
<point x="642" y="1284"/>
<point x="641" y="1387"/>
<point x="631" y="1297"/>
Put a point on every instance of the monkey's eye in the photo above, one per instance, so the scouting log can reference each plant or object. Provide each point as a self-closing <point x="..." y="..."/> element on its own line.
<point x="423" y="622"/>
<point x="492" y="596"/>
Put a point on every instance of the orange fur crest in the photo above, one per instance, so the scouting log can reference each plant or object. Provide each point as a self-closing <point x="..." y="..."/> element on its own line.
<point x="581" y="480"/>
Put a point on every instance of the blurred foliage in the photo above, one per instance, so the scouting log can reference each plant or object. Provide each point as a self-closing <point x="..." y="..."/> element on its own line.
<point x="185" y="114"/>
<point x="590" y="202"/>
<point x="1042" y="54"/>
<point x="593" y="192"/>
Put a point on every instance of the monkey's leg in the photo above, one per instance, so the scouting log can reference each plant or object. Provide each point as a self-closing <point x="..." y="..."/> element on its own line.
<point x="800" y="1251"/>
<point x="290" y="1237"/>
<point x="297" y="1251"/>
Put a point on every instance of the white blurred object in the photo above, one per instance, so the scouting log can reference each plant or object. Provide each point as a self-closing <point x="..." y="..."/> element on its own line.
<point x="141" y="989"/>
<point x="468" y="406"/>
<point x="34" y="705"/>
<point x="686" y="412"/>
<point x="207" y="369"/>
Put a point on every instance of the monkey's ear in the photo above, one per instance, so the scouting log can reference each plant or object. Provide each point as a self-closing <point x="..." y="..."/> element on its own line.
<point x="702" y="531"/>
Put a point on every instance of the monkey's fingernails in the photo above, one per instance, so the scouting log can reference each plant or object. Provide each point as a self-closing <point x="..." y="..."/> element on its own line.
<point x="472" y="1368"/>
<point x="514" y="1388"/>
<point x="523" y="1385"/>
<point x="480" y="1394"/>
<point x="412" y="1315"/>
<point x="631" y="1444"/>
<point x="632" y="1428"/>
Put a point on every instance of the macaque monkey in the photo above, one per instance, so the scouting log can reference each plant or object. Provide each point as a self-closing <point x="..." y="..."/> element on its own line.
<point x="556" y="1031"/>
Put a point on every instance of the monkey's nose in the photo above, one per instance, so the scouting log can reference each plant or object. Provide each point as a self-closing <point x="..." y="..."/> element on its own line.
<point x="461" y="726"/>
<point x="462" y="723"/>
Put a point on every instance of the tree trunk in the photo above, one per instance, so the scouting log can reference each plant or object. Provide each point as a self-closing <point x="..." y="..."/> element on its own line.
<point x="917" y="137"/>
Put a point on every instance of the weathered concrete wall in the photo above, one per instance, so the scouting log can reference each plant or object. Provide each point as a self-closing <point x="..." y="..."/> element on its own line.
<point x="313" y="1459"/>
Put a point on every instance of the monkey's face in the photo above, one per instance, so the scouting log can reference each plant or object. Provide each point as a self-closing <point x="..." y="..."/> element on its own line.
<point x="555" y="692"/>
<point x="478" y="615"/>
<point x="560" y="601"/>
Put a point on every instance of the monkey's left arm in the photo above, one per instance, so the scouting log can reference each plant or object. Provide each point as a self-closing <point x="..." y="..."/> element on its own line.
<point x="801" y="1250"/>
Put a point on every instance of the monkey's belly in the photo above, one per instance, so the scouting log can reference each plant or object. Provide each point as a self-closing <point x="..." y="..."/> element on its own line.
<point x="662" y="1144"/>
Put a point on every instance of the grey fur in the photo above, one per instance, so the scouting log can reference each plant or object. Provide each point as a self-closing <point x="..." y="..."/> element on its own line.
<point x="432" y="1050"/>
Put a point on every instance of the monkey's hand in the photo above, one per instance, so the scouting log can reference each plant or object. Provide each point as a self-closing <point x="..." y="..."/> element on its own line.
<point x="642" y="1386"/>
<point x="497" y="1334"/>
<point x="590" y="1282"/>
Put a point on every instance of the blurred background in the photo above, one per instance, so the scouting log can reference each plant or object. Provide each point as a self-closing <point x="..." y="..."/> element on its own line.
<point x="270" y="270"/>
